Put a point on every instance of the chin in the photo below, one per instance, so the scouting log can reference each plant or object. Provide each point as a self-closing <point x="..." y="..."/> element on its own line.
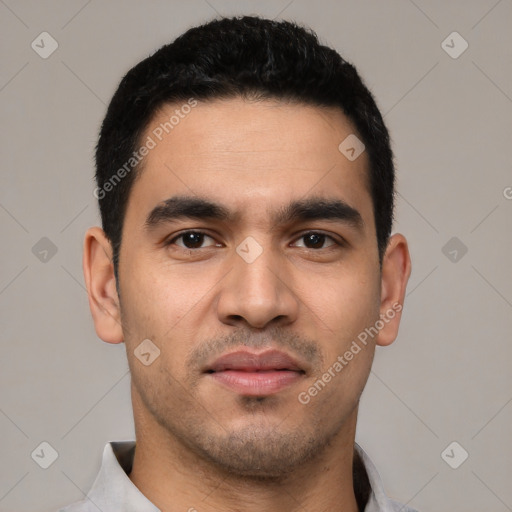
<point x="259" y="452"/>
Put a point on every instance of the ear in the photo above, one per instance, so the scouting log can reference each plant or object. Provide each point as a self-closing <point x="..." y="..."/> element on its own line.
<point x="396" y="269"/>
<point x="101" y="286"/>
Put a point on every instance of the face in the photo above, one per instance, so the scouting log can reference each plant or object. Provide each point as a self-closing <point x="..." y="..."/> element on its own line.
<point x="249" y="259"/>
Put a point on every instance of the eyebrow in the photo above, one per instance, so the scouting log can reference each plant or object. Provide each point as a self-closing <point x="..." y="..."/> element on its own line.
<point x="313" y="208"/>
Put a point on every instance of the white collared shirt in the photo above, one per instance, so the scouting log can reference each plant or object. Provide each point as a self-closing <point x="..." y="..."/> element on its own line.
<point x="113" y="491"/>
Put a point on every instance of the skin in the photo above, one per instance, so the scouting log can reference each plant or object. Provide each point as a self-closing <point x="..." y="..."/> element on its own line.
<point x="199" y="444"/>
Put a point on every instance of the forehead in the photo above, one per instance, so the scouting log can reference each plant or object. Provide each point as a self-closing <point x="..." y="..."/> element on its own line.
<point x="249" y="155"/>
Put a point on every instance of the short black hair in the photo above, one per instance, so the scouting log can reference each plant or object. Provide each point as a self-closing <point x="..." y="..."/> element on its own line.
<point x="247" y="57"/>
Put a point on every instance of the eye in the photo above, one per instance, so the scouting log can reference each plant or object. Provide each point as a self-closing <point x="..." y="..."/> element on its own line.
<point x="316" y="240"/>
<point x="192" y="240"/>
<point x="195" y="240"/>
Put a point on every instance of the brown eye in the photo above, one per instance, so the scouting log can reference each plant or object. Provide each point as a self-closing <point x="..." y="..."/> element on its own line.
<point x="315" y="240"/>
<point x="192" y="240"/>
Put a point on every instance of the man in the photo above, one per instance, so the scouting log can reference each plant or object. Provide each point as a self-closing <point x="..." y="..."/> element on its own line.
<point x="245" y="182"/>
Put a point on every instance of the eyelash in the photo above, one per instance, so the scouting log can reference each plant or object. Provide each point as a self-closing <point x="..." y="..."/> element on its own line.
<point x="171" y="241"/>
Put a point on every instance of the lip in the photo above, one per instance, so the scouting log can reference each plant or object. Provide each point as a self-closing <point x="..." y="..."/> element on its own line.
<point x="255" y="374"/>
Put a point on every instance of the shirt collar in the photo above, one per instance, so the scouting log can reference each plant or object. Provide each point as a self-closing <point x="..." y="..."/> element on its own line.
<point x="113" y="490"/>
<point x="378" y="500"/>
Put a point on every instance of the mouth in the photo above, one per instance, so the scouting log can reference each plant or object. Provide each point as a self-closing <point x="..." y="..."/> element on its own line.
<point x="251" y="374"/>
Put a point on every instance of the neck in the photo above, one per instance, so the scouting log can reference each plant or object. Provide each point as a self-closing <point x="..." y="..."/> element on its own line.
<point x="174" y="478"/>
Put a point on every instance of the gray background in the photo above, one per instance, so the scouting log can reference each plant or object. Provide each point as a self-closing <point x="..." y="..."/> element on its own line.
<point x="447" y="376"/>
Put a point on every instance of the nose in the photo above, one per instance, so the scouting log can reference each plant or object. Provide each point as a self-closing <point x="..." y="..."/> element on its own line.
<point x="258" y="291"/>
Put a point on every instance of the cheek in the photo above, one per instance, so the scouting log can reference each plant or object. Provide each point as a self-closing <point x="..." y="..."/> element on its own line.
<point x="345" y="304"/>
<point x="155" y="296"/>
<point x="153" y="307"/>
<point x="351" y="307"/>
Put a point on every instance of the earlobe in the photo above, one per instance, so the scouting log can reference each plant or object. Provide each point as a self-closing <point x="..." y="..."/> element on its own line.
<point x="396" y="269"/>
<point x="101" y="286"/>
